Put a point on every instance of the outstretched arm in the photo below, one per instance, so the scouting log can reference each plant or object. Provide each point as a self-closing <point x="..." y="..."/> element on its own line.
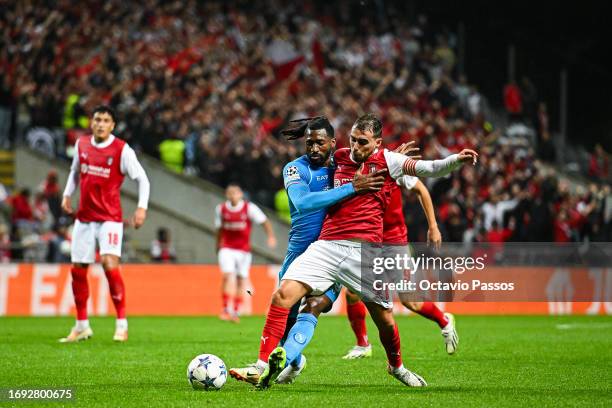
<point x="399" y="165"/>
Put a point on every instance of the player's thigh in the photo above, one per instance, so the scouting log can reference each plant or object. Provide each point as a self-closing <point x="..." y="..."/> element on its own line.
<point x="83" y="244"/>
<point x="244" y="264"/>
<point x="289" y="258"/>
<point x="352" y="276"/>
<point x="318" y="266"/>
<point x="110" y="238"/>
<point x="228" y="260"/>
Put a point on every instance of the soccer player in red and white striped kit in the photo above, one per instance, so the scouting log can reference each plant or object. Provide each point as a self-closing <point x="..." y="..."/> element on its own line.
<point x="100" y="163"/>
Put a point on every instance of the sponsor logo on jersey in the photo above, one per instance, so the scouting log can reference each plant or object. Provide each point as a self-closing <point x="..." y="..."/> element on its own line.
<point x="320" y="178"/>
<point x="340" y="181"/>
<point x="95" y="170"/>
<point x="234" y="225"/>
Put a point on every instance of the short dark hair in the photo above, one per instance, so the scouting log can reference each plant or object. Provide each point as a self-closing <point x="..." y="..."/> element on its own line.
<point x="105" y="109"/>
<point x="315" y="123"/>
<point x="321" y="122"/>
<point x="369" y="123"/>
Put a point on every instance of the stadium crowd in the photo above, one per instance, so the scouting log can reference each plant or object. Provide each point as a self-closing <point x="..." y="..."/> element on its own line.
<point x="207" y="87"/>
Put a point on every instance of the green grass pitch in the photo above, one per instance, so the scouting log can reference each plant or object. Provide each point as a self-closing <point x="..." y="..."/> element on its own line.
<point x="502" y="361"/>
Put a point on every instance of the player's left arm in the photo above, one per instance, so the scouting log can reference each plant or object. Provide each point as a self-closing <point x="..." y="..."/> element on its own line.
<point x="414" y="184"/>
<point x="400" y="165"/>
<point x="132" y="167"/>
<point x="256" y="215"/>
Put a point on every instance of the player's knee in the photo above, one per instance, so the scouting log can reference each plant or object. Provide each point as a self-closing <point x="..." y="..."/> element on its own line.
<point x="316" y="305"/>
<point x="110" y="262"/>
<point x="282" y="297"/>
<point x="352" y="298"/>
<point x="414" y="306"/>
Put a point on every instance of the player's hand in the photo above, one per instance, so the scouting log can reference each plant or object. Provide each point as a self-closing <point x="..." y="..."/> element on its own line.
<point x="138" y="218"/>
<point x="468" y="156"/>
<point x="67" y="205"/>
<point x="271" y="242"/>
<point x="407" y="149"/>
<point x="370" y="182"/>
<point x="434" y="238"/>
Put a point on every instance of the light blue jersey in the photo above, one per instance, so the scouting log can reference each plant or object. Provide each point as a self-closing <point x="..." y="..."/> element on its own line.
<point x="310" y="190"/>
<point x="310" y="193"/>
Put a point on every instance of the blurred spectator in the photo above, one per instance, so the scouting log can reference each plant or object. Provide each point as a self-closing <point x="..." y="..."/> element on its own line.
<point x="51" y="191"/>
<point x="529" y="96"/>
<point x="59" y="242"/>
<point x="6" y="112"/>
<point x="5" y="244"/>
<point x="281" y="205"/>
<point x="162" y="249"/>
<point x="172" y="154"/>
<point x="542" y="120"/>
<point x="513" y="100"/>
<point x="497" y="234"/>
<point x="599" y="164"/>
<point x="21" y="208"/>
<point x="546" y="148"/>
<point x="40" y="212"/>
<point x="5" y="205"/>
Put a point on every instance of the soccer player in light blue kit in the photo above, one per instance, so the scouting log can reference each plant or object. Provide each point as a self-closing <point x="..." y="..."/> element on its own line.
<point x="309" y="184"/>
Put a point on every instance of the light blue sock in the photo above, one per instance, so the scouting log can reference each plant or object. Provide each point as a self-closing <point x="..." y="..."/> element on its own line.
<point x="300" y="335"/>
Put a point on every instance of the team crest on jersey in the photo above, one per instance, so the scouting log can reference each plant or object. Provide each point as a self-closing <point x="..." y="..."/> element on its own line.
<point x="292" y="173"/>
<point x="337" y="183"/>
<point x="109" y="160"/>
<point x="84" y="168"/>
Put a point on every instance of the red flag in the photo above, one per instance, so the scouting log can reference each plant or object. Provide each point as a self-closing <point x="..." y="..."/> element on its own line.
<point x="317" y="55"/>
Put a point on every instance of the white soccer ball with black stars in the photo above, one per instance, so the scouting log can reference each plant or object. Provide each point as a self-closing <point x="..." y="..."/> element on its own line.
<point x="206" y="372"/>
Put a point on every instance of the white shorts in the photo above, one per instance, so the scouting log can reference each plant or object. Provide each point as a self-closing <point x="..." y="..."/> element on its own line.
<point x="235" y="261"/>
<point x="108" y="234"/>
<point x="325" y="263"/>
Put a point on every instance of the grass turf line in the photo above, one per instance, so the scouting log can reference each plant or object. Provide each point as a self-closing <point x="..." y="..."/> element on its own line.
<point x="502" y="361"/>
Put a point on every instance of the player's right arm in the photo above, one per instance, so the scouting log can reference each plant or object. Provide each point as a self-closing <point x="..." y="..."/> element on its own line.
<point x="305" y="201"/>
<point x="72" y="182"/>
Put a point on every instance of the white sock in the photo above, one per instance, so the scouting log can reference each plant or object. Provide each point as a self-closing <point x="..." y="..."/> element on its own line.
<point x="121" y="324"/>
<point x="82" y="324"/>
<point x="261" y="366"/>
<point x="398" y="369"/>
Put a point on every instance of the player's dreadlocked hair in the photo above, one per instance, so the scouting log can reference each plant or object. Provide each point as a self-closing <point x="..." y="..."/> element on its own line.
<point x="314" y="123"/>
<point x="369" y="122"/>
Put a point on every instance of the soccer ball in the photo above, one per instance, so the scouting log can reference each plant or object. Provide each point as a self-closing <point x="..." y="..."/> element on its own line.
<point x="206" y="372"/>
